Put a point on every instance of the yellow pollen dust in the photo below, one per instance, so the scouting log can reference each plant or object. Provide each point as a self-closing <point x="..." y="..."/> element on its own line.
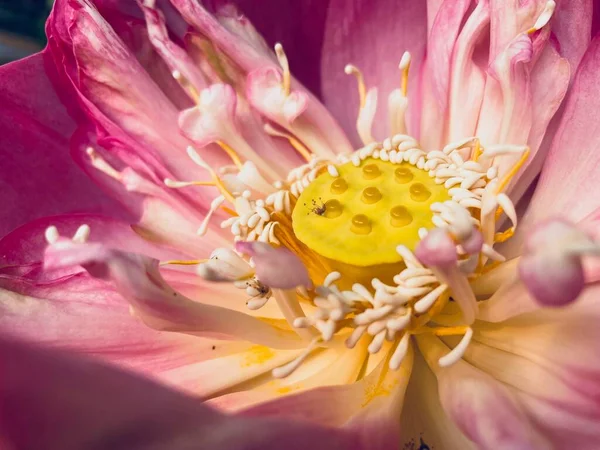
<point x="362" y="215"/>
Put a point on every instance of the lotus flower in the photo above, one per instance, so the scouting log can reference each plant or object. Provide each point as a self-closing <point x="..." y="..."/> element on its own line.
<point x="419" y="270"/>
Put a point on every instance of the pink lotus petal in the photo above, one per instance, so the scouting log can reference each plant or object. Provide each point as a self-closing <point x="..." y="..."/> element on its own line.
<point x="366" y="34"/>
<point x="175" y="56"/>
<point x="485" y="410"/>
<point x="436" y="71"/>
<point x="38" y="177"/>
<point x="138" y="280"/>
<point x="276" y="267"/>
<point x="79" y="404"/>
<point x="566" y="182"/>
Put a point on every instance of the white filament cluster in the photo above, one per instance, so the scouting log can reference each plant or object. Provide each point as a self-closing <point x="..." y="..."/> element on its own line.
<point x="253" y="221"/>
<point x="383" y="315"/>
<point x="300" y="177"/>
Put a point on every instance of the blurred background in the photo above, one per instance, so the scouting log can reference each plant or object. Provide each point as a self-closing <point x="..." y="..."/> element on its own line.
<point x="22" y="27"/>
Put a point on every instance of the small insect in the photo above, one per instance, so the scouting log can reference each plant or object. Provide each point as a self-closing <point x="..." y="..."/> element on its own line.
<point x="317" y="208"/>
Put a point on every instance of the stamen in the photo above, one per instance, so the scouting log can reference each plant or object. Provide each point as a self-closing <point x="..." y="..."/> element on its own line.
<point x="231" y="153"/>
<point x="187" y="86"/>
<point x="404" y="67"/>
<point x="99" y="163"/>
<point x="513" y="171"/>
<point x="285" y="66"/>
<point x="362" y="89"/>
<point x="82" y="234"/>
<point x="181" y="262"/>
<point x="51" y="234"/>
<point x="544" y="18"/>
<point x="333" y="171"/>
<point x="457" y="352"/>
<point x="182" y="184"/>
<point x="193" y="154"/>
<point x="287" y="369"/>
<point x="400" y="352"/>
<point x="300" y="148"/>
<point x="214" y="205"/>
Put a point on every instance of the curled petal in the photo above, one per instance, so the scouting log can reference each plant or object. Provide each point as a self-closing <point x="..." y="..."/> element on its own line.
<point x="276" y="267"/>
<point x="213" y="118"/>
<point x="265" y="93"/>
<point x="138" y="279"/>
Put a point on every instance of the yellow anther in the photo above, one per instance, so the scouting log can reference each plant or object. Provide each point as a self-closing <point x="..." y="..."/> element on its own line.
<point x="361" y="224"/>
<point x="403" y="175"/>
<point x="371" y="171"/>
<point x="333" y="209"/>
<point x="339" y="186"/>
<point x="400" y="216"/>
<point x="371" y="195"/>
<point x="419" y="193"/>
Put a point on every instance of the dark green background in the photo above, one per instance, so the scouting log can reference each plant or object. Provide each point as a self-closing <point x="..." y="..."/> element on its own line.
<point x="22" y="27"/>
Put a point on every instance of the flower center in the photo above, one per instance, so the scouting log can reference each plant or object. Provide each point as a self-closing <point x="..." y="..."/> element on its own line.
<point x="358" y="214"/>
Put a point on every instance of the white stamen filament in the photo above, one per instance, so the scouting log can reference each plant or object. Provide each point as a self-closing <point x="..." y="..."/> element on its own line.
<point x="82" y="234"/>
<point x="285" y="66"/>
<point x="333" y="171"/>
<point x="400" y="352"/>
<point x="51" y="234"/>
<point x="99" y="163"/>
<point x="429" y="300"/>
<point x="287" y="369"/>
<point x="214" y="205"/>
<point x="544" y="17"/>
<point x="457" y="352"/>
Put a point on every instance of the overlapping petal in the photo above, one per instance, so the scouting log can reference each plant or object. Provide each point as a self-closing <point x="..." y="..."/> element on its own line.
<point x="79" y="404"/>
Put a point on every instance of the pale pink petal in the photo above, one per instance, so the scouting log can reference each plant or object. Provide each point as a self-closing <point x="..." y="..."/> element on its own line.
<point x="546" y="98"/>
<point x="110" y="86"/>
<point x="550" y="360"/>
<point x="370" y="407"/>
<point x="175" y="56"/>
<point x="424" y="421"/>
<point x="572" y="26"/>
<point x="435" y="88"/>
<point x="249" y="58"/>
<point x="569" y="176"/>
<point x="137" y="278"/>
<point x="467" y="75"/>
<point x="276" y="267"/>
<point x="486" y="411"/>
<point x="373" y="36"/>
<point x="80" y="404"/>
